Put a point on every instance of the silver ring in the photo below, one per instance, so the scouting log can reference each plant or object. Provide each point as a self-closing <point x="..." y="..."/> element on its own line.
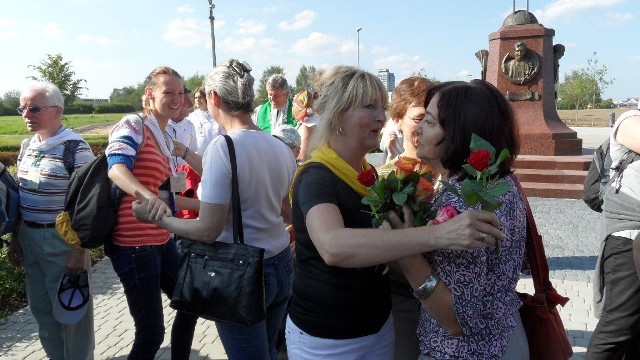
<point x="483" y="236"/>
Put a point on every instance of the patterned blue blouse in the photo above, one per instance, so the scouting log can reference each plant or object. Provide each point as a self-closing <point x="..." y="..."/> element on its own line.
<point x="482" y="283"/>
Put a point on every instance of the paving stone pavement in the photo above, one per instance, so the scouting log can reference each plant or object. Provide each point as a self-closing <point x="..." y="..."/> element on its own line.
<point x="570" y="233"/>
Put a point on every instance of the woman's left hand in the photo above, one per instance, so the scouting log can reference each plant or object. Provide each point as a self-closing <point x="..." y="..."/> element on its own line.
<point x="396" y="223"/>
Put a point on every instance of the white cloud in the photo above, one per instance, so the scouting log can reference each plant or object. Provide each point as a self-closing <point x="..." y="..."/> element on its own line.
<point x="188" y="32"/>
<point x="100" y="40"/>
<point x="300" y="21"/>
<point x="185" y="9"/>
<point x="270" y="9"/>
<point x="317" y="44"/>
<point x="635" y="58"/>
<point x="379" y="50"/>
<point x="250" y="27"/>
<point x="6" y="22"/>
<point x="566" y="10"/>
<point x="401" y="65"/>
<point x="617" y="19"/>
<point x="254" y="50"/>
<point x="52" y="30"/>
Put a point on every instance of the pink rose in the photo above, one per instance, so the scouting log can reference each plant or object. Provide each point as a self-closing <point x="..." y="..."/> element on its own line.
<point x="446" y="213"/>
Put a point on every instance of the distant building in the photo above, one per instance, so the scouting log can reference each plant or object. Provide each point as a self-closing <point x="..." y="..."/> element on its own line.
<point x="388" y="79"/>
<point x="93" y="102"/>
<point x="629" y="102"/>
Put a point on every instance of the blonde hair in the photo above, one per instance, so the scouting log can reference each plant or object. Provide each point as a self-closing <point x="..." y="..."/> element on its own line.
<point x="152" y="81"/>
<point x="342" y="88"/>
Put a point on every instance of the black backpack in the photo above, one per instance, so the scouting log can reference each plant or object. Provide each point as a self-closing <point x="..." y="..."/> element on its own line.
<point x="9" y="202"/>
<point x="91" y="205"/>
<point x="598" y="179"/>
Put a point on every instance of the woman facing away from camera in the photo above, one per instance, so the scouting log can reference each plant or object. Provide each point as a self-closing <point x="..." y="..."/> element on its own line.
<point x="472" y="311"/>
<point x="265" y="169"/>
<point x="341" y="305"/>
<point x="145" y="256"/>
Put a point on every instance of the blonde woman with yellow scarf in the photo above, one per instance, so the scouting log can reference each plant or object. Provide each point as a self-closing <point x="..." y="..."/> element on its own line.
<point x="341" y="304"/>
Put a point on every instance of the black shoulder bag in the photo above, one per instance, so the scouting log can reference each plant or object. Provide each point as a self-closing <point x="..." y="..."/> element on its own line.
<point x="222" y="281"/>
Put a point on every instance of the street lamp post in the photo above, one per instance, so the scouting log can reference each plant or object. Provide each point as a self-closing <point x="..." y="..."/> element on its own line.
<point x="213" y="37"/>
<point x="358" y="32"/>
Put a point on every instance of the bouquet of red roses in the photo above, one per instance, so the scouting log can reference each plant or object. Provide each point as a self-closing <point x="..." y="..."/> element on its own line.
<point x="403" y="185"/>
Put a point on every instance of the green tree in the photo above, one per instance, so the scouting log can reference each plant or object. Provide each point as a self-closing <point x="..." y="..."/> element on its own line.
<point x="597" y="73"/>
<point x="423" y="73"/>
<point x="57" y="71"/>
<point x="128" y="95"/>
<point x="194" y="81"/>
<point x="576" y="90"/>
<point x="261" y="94"/>
<point x="306" y="78"/>
<point x="11" y="99"/>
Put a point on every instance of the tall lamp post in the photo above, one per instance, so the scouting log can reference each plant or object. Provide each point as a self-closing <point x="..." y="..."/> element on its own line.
<point x="358" y="32"/>
<point x="213" y="37"/>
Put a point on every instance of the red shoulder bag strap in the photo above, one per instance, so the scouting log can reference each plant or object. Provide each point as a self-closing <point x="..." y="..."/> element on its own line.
<point x="536" y="255"/>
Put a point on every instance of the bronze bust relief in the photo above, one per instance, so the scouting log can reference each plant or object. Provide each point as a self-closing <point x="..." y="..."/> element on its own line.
<point x="523" y="66"/>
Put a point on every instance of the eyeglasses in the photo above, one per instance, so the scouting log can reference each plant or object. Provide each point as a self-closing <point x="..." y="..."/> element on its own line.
<point x="240" y="68"/>
<point x="33" y="109"/>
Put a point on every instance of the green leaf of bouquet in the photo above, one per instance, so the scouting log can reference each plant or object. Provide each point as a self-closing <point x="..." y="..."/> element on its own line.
<point x="491" y="206"/>
<point x="409" y="189"/>
<point x="411" y="178"/>
<point x="399" y="198"/>
<point x="470" y="193"/>
<point x="370" y="200"/>
<point x="499" y="189"/>
<point x="470" y="170"/>
<point x="451" y="188"/>
<point x="478" y="143"/>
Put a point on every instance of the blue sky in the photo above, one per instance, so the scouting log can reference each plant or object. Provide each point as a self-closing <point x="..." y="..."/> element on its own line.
<point x="115" y="43"/>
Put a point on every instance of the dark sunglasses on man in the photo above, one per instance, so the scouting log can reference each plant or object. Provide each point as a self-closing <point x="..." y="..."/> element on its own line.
<point x="32" y="108"/>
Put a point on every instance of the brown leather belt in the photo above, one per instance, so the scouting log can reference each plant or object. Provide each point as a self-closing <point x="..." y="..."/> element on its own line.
<point x="36" y="225"/>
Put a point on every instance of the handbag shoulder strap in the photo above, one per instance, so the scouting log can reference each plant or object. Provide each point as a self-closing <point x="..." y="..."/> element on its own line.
<point x="535" y="248"/>
<point x="238" y="233"/>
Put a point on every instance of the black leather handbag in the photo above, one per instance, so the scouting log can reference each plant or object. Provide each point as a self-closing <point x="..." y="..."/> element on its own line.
<point x="222" y="281"/>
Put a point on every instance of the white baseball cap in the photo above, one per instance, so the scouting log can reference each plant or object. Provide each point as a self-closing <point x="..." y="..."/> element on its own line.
<point x="72" y="298"/>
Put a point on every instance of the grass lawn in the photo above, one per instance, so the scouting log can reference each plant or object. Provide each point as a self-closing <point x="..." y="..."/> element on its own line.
<point x="13" y="130"/>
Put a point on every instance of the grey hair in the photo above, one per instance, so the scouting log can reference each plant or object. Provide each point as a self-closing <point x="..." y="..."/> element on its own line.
<point x="343" y="88"/>
<point x="50" y="90"/>
<point x="234" y="84"/>
<point x="277" y="81"/>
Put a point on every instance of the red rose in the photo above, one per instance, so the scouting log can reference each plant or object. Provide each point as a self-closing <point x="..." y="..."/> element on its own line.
<point x="479" y="160"/>
<point x="367" y="177"/>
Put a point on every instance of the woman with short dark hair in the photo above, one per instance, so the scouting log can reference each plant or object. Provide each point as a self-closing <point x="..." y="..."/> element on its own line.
<point x="471" y="310"/>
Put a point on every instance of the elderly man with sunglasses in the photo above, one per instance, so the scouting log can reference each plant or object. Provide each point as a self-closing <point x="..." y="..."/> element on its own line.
<point x="43" y="174"/>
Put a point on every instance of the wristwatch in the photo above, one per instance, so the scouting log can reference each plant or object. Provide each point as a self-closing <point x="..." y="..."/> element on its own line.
<point x="426" y="289"/>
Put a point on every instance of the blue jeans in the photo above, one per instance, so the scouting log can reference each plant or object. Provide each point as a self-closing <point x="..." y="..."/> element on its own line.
<point x="258" y="341"/>
<point x="145" y="272"/>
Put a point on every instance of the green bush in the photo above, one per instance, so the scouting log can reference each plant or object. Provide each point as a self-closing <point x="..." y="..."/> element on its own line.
<point x="112" y="108"/>
<point x="12" y="289"/>
<point x="5" y="110"/>
<point x="79" y="108"/>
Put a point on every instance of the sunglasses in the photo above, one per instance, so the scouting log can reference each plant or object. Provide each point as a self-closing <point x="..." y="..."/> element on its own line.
<point x="33" y="109"/>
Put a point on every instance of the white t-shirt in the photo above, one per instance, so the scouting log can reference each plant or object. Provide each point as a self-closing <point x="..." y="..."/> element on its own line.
<point x="184" y="132"/>
<point x="206" y="129"/>
<point x="265" y="171"/>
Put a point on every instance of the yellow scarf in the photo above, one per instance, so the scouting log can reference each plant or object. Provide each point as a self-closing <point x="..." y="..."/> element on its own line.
<point x="327" y="157"/>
